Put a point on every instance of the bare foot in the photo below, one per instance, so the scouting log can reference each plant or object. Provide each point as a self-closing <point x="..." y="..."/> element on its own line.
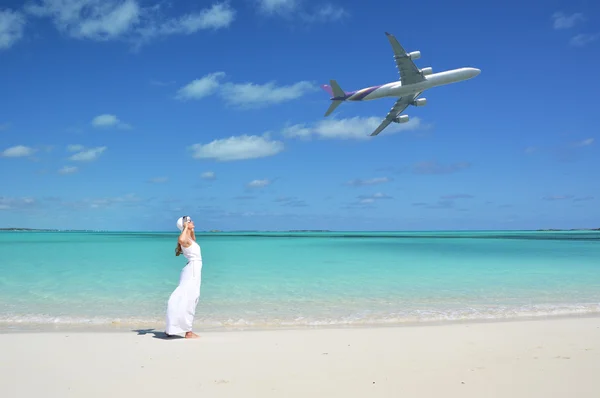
<point x="191" y="335"/>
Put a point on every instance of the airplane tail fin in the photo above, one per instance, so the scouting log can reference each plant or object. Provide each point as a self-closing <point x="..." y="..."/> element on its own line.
<point x="335" y="91"/>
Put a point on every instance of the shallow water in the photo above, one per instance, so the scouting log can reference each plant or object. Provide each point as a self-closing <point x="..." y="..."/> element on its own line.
<point x="266" y="280"/>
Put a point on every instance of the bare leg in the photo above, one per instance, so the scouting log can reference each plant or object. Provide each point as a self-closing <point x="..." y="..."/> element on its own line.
<point x="191" y="335"/>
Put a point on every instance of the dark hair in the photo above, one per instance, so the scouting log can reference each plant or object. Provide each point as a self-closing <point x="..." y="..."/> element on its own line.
<point x="178" y="250"/>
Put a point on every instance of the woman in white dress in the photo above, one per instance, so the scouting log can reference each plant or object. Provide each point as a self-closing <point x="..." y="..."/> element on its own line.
<point x="182" y="304"/>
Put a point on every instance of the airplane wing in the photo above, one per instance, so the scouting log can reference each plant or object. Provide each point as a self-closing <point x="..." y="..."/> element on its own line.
<point x="398" y="108"/>
<point x="409" y="73"/>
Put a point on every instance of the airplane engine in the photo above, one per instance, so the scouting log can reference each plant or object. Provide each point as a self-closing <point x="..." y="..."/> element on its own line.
<point x="401" y="119"/>
<point x="419" y="102"/>
<point x="427" y="71"/>
<point x="414" y="55"/>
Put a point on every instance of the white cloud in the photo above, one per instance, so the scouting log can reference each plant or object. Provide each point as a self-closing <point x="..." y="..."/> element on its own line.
<point x="586" y="142"/>
<point x="18" y="151"/>
<point x="353" y="128"/>
<point x="259" y="183"/>
<point x="325" y="13"/>
<point x="8" y="203"/>
<point x="75" y="148"/>
<point x="12" y="24"/>
<point x="103" y="20"/>
<point x="558" y="197"/>
<point x="68" y="170"/>
<point x="237" y="148"/>
<point x="371" y="181"/>
<point x="218" y="16"/>
<point x="107" y="120"/>
<point x="243" y="94"/>
<point x="102" y="203"/>
<point x="367" y="199"/>
<point x="89" y="19"/>
<point x="277" y="6"/>
<point x="290" y="9"/>
<point x="200" y="88"/>
<point x="208" y="175"/>
<point x="257" y="95"/>
<point x="562" y="21"/>
<point x="584" y="39"/>
<point x="88" y="155"/>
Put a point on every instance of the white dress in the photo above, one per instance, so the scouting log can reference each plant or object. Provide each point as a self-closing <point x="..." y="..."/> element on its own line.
<point x="184" y="299"/>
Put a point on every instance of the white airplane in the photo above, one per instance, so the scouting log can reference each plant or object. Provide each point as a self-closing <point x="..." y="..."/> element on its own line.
<point x="413" y="81"/>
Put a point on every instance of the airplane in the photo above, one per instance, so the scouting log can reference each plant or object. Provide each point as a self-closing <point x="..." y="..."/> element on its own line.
<point x="413" y="81"/>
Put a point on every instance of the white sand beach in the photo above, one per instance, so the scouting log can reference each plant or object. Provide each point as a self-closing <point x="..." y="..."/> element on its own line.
<point x="541" y="358"/>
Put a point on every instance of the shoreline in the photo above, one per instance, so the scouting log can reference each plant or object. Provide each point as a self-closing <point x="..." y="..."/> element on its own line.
<point x="525" y="359"/>
<point x="125" y="327"/>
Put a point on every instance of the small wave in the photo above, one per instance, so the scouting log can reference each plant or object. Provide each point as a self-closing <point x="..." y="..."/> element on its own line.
<point x="44" y="322"/>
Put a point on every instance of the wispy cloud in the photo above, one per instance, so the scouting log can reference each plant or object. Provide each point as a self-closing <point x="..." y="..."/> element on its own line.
<point x="208" y="175"/>
<point x="68" y="170"/>
<point x="357" y="128"/>
<point x="237" y="148"/>
<point x="11" y="203"/>
<point x="583" y="199"/>
<point x="290" y="201"/>
<point x="564" y="21"/>
<point x="457" y="196"/>
<point x="18" y="151"/>
<point x="371" y="181"/>
<point x="108" y="120"/>
<point x="566" y="151"/>
<point x="103" y="203"/>
<point x="293" y="9"/>
<point x="584" y="39"/>
<point x="553" y="198"/>
<point x="200" y="88"/>
<point x="12" y="25"/>
<point x="440" y="204"/>
<point x="128" y="20"/>
<point x="368" y="199"/>
<point x="259" y="183"/>
<point x="586" y="142"/>
<point x="243" y="95"/>
<point x="88" y="155"/>
<point x="260" y="95"/>
<point x="445" y="202"/>
<point x="75" y="148"/>
<point x="432" y="167"/>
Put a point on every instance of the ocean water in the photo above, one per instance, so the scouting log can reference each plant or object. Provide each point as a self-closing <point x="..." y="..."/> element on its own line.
<point x="270" y="280"/>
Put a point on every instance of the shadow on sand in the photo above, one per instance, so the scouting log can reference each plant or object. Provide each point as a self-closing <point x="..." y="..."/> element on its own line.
<point x="156" y="334"/>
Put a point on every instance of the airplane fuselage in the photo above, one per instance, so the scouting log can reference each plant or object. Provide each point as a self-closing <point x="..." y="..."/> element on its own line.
<point x="397" y="89"/>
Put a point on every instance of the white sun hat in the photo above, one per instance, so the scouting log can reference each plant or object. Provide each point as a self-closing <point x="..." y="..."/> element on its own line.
<point x="181" y="220"/>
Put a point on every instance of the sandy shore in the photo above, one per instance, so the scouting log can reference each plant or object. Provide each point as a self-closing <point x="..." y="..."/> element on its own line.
<point x="545" y="358"/>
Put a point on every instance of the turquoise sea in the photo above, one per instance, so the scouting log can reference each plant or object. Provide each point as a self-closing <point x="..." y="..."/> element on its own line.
<point x="264" y="280"/>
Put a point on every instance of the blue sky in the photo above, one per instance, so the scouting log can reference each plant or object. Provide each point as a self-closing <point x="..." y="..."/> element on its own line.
<point x="126" y="114"/>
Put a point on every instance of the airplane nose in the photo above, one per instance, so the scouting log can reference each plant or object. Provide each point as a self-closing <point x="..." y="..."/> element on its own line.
<point x="475" y="71"/>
